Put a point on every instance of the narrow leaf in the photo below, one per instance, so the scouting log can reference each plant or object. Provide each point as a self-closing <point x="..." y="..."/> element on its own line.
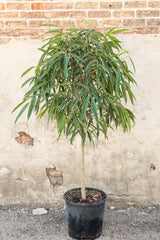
<point x="118" y="31"/>
<point x="47" y="90"/>
<point x="18" y="105"/>
<point x="22" y="110"/>
<point x="27" y="81"/>
<point x="66" y="60"/>
<point x="31" y="107"/>
<point x="85" y="106"/>
<point x="29" y="69"/>
<point x="87" y="22"/>
<point x="118" y="78"/>
<point x="94" y="108"/>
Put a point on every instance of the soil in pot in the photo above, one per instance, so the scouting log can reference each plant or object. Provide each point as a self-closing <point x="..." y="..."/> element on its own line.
<point x="92" y="196"/>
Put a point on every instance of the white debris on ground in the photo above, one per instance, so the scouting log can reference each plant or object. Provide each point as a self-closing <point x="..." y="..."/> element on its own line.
<point x="112" y="207"/>
<point x="39" y="211"/>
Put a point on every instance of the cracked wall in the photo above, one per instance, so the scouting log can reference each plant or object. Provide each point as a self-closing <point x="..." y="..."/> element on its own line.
<point x="34" y="167"/>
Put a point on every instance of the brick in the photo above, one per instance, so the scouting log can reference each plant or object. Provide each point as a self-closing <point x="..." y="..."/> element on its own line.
<point x="110" y="22"/>
<point x="25" y="32"/>
<point x="1" y="24"/>
<point x="110" y="5"/>
<point x="2" y="6"/>
<point x="38" y="23"/>
<point x="133" y="22"/>
<point x="42" y="6"/>
<point x="42" y="32"/>
<point x="59" y="23"/>
<point x="18" y="6"/>
<point x="15" y="24"/>
<point x="146" y="30"/>
<point x="6" y="32"/>
<point x="86" y="5"/>
<point x="135" y="4"/>
<point x="33" y="14"/>
<point x="75" y="14"/>
<point x="7" y="15"/>
<point x="147" y="13"/>
<point x="97" y="14"/>
<point x="56" y="14"/>
<point x="153" y="22"/>
<point x="83" y="24"/>
<point x="64" y="23"/>
<point x="154" y="4"/>
<point x="63" y="5"/>
<point x="27" y="0"/>
<point x="65" y="14"/>
<point x="123" y="14"/>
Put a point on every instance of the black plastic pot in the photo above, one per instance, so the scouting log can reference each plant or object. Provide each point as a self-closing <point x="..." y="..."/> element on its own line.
<point x="85" y="220"/>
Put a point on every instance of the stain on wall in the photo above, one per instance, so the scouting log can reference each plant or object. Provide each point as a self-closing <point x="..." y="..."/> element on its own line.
<point x="55" y="177"/>
<point x="25" y="139"/>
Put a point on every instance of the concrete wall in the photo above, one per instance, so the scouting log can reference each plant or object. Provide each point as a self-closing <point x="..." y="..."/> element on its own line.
<point x="126" y="166"/>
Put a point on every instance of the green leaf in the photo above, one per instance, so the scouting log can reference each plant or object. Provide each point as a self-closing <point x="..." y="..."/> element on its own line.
<point x="61" y="125"/>
<point x="94" y="108"/>
<point x="55" y="31"/>
<point x="81" y="93"/>
<point x="27" y="81"/>
<point x="118" y="78"/>
<point x="85" y="106"/>
<point x="64" y="106"/>
<point x="31" y="107"/>
<point x="21" y="103"/>
<point x="133" y="65"/>
<point x="90" y="138"/>
<point x="73" y="136"/>
<point x="40" y="115"/>
<point x="52" y="59"/>
<point x="22" y="110"/>
<point x="82" y="80"/>
<point x="35" y="88"/>
<point x="119" y="31"/>
<point x="66" y="61"/>
<point x="29" y="69"/>
<point x="47" y="90"/>
<point x="87" y="22"/>
<point x="131" y="95"/>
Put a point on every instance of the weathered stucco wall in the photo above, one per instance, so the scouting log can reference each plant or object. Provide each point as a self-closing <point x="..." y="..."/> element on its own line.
<point x="126" y="166"/>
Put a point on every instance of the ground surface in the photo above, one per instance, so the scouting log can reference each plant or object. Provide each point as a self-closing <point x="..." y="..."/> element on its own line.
<point x="126" y="223"/>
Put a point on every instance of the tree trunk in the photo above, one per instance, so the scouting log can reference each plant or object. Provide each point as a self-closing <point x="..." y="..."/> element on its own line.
<point x="83" y="192"/>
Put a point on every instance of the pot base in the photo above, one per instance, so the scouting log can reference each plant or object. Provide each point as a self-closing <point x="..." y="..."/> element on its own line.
<point x="85" y="220"/>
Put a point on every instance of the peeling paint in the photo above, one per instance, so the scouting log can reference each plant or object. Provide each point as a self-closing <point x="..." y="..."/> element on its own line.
<point x="55" y="177"/>
<point x="25" y="139"/>
<point x="152" y="167"/>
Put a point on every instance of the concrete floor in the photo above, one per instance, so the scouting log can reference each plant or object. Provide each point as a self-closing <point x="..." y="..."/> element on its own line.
<point x="127" y="223"/>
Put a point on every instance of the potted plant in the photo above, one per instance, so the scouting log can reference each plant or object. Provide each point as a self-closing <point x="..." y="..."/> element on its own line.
<point x="82" y="81"/>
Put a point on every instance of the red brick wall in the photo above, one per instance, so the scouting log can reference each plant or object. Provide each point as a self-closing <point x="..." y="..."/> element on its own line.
<point x="22" y="18"/>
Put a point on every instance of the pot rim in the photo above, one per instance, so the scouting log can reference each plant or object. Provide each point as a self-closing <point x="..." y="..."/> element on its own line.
<point x="85" y="204"/>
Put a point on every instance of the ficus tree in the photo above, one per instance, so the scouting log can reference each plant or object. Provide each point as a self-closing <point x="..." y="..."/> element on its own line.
<point x="82" y="81"/>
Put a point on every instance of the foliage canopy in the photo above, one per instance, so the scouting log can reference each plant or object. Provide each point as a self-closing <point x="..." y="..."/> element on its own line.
<point x="81" y="81"/>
